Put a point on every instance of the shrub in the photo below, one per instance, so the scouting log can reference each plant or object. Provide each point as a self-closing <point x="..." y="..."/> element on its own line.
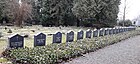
<point x="9" y="31"/>
<point x="26" y="36"/>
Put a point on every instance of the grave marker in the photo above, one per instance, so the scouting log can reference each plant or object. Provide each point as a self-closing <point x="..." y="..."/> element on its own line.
<point x="117" y="30"/>
<point x="95" y="33"/>
<point x="39" y="40"/>
<point x="120" y="30"/>
<point x="127" y="29"/>
<point x="123" y="29"/>
<point x="88" y="33"/>
<point x="16" y="41"/>
<point x="101" y="32"/>
<point x="110" y="31"/>
<point x="114" y="30"/>
<point x="70" y="36"/>
<point x="57" y="38"/>
<point x="106" y="31"/>
<point x="80" y="35"/>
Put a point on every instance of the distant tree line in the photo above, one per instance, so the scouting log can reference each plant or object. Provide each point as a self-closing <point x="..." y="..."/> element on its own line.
<point x="125" y="23"/>
<point x="101" y="13"/>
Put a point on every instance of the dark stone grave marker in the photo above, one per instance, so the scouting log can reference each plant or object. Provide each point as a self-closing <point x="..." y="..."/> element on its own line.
<point x="110" y="31"/>
<point x="39" y="40"/>
<point x="16" y="41"/>
<point x="88" y="33"/>
<point x="127" y="29"/>
<point x="101" y="32"/>
<point x="106" y="31"/>
<point x="120" y="30"/>
<point x="57" y="38"/>
<point x="117" y="30"/>
<point x="95" y="33"/>
<point x="70" y="36"/>
<point x="114" y="30"/>
<point x="123" y="29"/>
<point x="80" y="35"/>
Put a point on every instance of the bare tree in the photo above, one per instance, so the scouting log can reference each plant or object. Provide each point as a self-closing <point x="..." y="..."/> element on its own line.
<point x="125" y="9"/>
<point x="124" y="12"/>
<point x="19" y="11"/>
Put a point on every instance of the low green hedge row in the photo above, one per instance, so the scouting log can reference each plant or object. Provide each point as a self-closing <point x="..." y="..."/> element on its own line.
<point x="57" y="53"/>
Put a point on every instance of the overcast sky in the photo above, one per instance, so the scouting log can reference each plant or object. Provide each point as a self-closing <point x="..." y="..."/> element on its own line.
<point x="133" y="9"/>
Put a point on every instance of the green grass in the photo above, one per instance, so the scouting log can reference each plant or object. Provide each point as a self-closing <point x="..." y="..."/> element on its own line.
<point x="3" y="45"/>
<point x="3" y="60"/>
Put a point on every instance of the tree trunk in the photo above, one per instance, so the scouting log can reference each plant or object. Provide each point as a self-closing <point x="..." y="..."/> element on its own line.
<point x="78" y="22"/>
<point x="18" y="23"/>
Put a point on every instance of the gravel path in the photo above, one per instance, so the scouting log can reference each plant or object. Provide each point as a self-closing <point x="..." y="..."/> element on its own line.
<point x="124" y="52"/>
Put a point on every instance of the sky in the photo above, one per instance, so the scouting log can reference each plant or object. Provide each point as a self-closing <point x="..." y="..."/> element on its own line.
<point x="132" y="10"/>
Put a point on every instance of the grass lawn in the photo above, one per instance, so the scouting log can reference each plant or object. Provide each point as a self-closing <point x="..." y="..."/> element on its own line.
<point x="3" y="60"/>
<point x="3" y="45"/>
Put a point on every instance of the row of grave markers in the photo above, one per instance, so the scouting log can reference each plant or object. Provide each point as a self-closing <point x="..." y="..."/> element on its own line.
<point x="17" y="41"/>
